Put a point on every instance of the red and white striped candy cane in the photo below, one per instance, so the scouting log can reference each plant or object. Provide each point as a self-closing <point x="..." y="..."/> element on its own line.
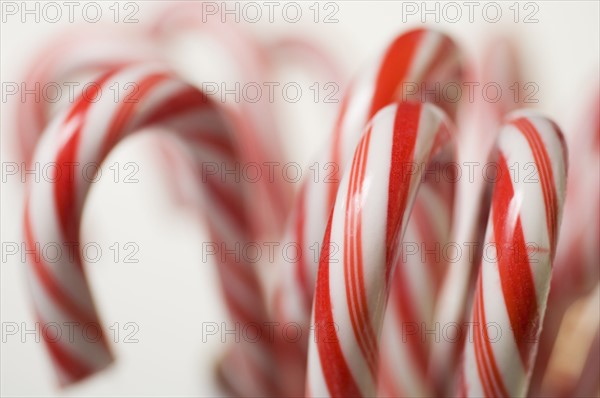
<point x="362" y="244"/>
<point x="85" y="133"/>
<point x="68" y="60"/>
<point x="268" y="201"/>
<point x="478" y="123"/>
<point x="414" y="58"/>
<point x="576" y="272"/>
<point x="260" y="143"/>
<point x="514" y="278"/>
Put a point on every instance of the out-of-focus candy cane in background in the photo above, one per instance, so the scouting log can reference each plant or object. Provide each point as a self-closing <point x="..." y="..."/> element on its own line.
<point x="289" y="88"/>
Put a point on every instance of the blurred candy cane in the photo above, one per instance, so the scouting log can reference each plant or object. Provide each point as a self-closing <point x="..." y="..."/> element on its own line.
<point x="269" y="199"/>
<point x="149" y="97"/>
<point x="64" y="66"/>
<point x="250" y="64"/>
<point x="254" y="63"/>
<point x="408" y="329"/>
<point x="70" y="59"/>
<point x="362" y="245"/>
<point x="522" y="233"/>
<point x="478" y="123"/>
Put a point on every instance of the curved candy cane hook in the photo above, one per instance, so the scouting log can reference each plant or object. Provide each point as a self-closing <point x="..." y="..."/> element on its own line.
<point x="366" y="227"/>
<point x="84" y="134"/>
<point x="514" y="279"/>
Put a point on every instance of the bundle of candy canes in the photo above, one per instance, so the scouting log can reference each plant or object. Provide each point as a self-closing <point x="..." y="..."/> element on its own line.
<point x="372" y="294"/>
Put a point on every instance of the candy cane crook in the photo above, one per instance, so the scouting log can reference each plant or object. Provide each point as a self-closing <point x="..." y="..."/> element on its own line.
<point x="85" y="133"/>
<point x="361" y="245"/>
<point x="478" y="124"/>
<point x="72" y="57"/>
<point x="512" y="289"/>
<point x="416" y="58"/>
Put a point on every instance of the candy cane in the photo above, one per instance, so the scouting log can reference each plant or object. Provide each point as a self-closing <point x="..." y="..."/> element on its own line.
<point x="416" y="58"/>
<point x="408" y="325"/>
<point x="576" y="271"/>
<point x="85" y="133"/>
<point x="522" y="233"/>
<point x="361" y="245"/>
<point x="259" y="144"/>
<point x="478" y="123"/>
<point x="70" y="59"/>
<point x="66" y="60"/>
<point x="259" y="139"/>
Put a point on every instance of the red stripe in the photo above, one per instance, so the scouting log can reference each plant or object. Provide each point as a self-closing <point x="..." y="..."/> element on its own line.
<point x="83" y="101"/>
<point x="233" y="205"/>
<point x="217" y="142"/>
<point x="238" y="311"/>
<point x="64" y="187"/>
<point x="336" y="373"/>
<point x="480" y="360"/>
<point x="347" y="248"/>
<point x="243" y="271"/>
<point x="349" y="232"/>
<point x="359" y="252"/>
<point x="239" y="358"/>
<point x="487" y="346"/>
<point x="513" y="264"/>
<point x="544" y="165"/>
<point x="179" y="102"/>
<point x="76" y="369"/>
<point x="563" y="144"/>
<point x="360" y="299"/>
<point x="389" y="385"/>
<point x="394" y="68"/>
<point x="128" y="109"/>
<point x="406" y="126"/>
<point x="266" y="378"/>
<point x="50" y="285"/>
<point x="254" y="152"/>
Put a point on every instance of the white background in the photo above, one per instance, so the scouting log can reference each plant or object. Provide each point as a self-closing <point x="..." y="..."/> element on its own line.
<point x="170" y="292"/>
